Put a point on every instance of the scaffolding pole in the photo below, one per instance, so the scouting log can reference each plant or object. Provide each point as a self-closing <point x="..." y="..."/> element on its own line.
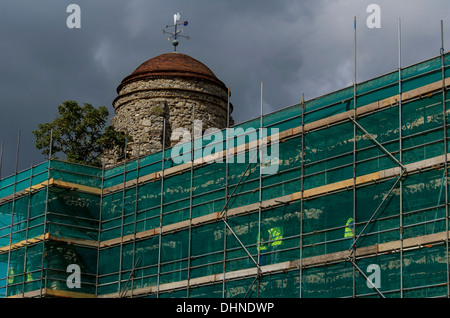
<point x="136" y="197"/>
<point x="100" y="228"/>
<point x="124" y="292"/>
<point x="225" y="207"/>
<point x="223" y="215"/>
<point x="226" y="195"/>
<point x="258" y="276"/>
<point x="242" y="245"/>
<point x="26" y="234"/>
<point x="191" y="199"/>
<point x="12" y="212"/>
<point x="364" y="275"/>
<point x="136" y="214"/>
<point x="354" y="156"/>
<point x="376" y="211"/>
<point x="444" y="110"/>
<point x="123" y="216"/>
<point x="400" y="139"/>
<point x="377" y="143"/>
<point x="42" y="283"/>
<point x="302" y="189"/>
<point x="161" y="210"/>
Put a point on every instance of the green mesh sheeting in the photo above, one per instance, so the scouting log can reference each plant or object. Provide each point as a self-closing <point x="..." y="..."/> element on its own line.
<point x="63" y="171"/>
<point x="73" y="214"/>
<point x="23" y="272"/>
<point x="24" y="179"/>
<point x="153" y="236"/>
<point x="59" y="256"/>
<point x="417" y="202"/>
<point x="78" y="174"/>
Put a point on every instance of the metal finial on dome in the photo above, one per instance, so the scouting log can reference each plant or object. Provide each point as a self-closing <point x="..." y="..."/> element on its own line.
<point x="176" y="33"/>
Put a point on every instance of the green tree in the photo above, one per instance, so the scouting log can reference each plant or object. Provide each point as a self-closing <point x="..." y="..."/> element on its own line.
<point x="79" y="132"/>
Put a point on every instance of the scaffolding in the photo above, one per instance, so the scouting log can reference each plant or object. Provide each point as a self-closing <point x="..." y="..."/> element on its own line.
<point x="361" y="182"/>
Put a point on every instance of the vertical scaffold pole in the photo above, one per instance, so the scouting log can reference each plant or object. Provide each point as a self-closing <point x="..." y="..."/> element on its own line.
<point x="12" y="212"/>
<point x="444" y="109"/>
<point x="131" y="276"/>
<point x="161" y="210"/>
<point x="25" y="267"/>
<point x="260" y="187"/>
<point x="302" y="172"/>
<point x="400" y="140"/>
<point x="354" y="154"/>
<point x="99" y="229"/>
<point x="136" y="200"/>
<point x="123" y="217"/>
<point x="226" y="196"/>
<point x="45" y="214"/>
<point x="190" y="199"/>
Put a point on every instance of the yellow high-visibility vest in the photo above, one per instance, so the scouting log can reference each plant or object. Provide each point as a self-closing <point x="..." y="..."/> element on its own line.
<point x="11" y="275"/>
<point x="261" y="246"/>
<point x="276" y="235"/>
<point x="349" y="228"/>
<point x="29" y="277"/>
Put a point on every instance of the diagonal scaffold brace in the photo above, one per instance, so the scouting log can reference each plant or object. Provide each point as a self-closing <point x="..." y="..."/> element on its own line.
<point x="365" y="276"/>
<point x="223" y="217"/>
<point x="377" y="143"/>
<point x="402" y="174"/>
<point x="400" y="177"/>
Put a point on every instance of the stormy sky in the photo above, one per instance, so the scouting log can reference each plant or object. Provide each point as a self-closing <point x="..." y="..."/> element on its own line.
<point x="294" y="47"/>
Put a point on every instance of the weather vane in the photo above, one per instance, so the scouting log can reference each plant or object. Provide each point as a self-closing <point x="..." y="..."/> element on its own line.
<point x="176" y="33"/>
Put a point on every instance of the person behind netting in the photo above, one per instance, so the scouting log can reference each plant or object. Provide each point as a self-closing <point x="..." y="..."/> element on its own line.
<point x="261" y="244"/>
<point x="350" y="230"/>
<point x="275" y="242"/>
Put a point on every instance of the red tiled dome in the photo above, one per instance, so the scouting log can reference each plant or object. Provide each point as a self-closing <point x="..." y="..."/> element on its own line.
<point x="171" y="65"/>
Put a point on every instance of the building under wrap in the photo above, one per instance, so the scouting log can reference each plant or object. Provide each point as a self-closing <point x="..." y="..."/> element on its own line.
<point x="359" y="204"/>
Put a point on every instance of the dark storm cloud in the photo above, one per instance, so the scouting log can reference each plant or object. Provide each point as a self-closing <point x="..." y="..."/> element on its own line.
<point x="294" y="47"/>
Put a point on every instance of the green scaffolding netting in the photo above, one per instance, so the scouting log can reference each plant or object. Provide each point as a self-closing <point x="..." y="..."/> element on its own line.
<point x="384" y="211"/>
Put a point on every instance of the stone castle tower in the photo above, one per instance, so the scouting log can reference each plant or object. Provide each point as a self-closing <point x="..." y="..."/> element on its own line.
<point x="166" y="86"/>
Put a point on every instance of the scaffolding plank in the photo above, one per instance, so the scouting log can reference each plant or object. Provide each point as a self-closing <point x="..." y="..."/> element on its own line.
<point x="78" y="241"/>
<point x="24" y="242"/>
<point x="78" y="187"/>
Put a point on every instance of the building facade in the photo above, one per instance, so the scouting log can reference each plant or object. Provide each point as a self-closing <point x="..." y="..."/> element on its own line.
<point x="359" y="207"/>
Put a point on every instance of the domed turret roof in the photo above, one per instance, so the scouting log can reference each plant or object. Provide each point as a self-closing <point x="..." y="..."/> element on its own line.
<point x="169" y="65"/>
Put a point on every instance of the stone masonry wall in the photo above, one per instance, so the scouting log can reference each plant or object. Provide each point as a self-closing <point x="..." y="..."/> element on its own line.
<point x="141" y="106"/>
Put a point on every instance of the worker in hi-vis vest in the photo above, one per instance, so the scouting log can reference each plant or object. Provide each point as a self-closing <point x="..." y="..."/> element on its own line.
<point x="11" y="275"/>
<point x="29" y="276"/>
<point x="275" y="236"/>
<point x="262" y="247"/>
<point x="350" y="229"/>
<point x="275" y="241"/>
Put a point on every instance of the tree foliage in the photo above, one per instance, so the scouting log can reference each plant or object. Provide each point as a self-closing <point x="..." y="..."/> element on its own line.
<point x="79" y="132"/>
